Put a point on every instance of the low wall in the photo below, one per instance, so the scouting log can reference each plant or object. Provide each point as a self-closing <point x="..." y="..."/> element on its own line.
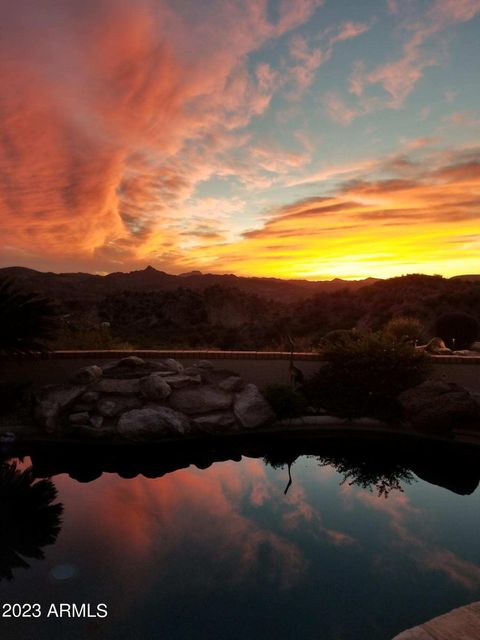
<point x="262" y="368"/>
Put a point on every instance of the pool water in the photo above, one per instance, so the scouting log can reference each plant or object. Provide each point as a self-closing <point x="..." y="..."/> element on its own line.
<point x="223" y="553"/>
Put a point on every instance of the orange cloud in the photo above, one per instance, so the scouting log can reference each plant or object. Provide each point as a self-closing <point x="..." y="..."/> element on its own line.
<point x="157" y="516"/>
<point x="417" y="206"/>
<point x="99" y="103"/>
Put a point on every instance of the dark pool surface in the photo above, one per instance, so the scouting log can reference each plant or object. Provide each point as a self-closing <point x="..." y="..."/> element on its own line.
<point x="223" y="553"/>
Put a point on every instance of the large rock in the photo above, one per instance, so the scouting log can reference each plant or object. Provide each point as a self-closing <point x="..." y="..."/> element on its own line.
<point x="131" y="361"/>
<point x="438" y="407"/>
<point x="251" y="408"/>
<point x="151" y="421"/>
<point x="154" y="387"/>
<point x="86" y="375"/>
<point x="89" y="398"/>
<point x="200" y="399"/>
<point x="232" y="383"/>
<point x="224" y="379"/>
<point x="178" y="380"/>
<point x="218" y="422"/>
<point x="173" y="365"/>
<point x="108" y="407"/>
<point x="79" y="418"/>
<point x="96" y="421"/>
<point x="133" y="367"/>
<point x="204" y="364"/>
<point x="436" y="346"/>
<point x="115" y="385"/>
<point x="52" y="402"/>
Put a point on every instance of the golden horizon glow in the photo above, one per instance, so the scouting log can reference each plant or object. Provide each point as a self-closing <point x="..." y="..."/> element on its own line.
<point x="256" y="137"/>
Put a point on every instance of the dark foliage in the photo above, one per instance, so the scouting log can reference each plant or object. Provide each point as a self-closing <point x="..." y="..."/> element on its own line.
<point x="380" y="473"/>
<point x="363" y="376"/>
<point x="13" y="394"/>
<point x="285" y="401"/>
<point x="216" y="317"/>
<point x="458" y="330"/>
<point x="27" y="322"/>
<point x="405" y="329"/>
<point x="29" y="519"/>
<point x="228" y="317"/>
<point x="375" y="471"/>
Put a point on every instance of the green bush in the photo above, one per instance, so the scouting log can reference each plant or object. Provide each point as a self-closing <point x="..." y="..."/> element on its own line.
<point x="364" y="375"/>
<point x="457" y="329"/>
<point x="404" y="329"/>
<point x="285" y="402"/>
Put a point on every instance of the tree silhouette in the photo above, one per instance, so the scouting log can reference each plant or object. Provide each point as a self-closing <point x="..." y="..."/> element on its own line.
<point x="29" y="519"/>
<point x="27" y="321"/>
<point x="381" y="474"/>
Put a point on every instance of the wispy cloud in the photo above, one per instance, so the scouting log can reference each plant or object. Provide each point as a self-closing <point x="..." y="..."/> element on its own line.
<point x="399" y="77"/>
<point x="113" y="113"/>
<point x="427" y="199"/>
<point x="337" y="109"/>
<point x="349" y="30"/>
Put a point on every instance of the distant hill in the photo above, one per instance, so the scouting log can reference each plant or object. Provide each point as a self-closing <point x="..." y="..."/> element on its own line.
<point x="155" y="310"/>
<point x="469" y="278"/>
<point x="84" y="287"/>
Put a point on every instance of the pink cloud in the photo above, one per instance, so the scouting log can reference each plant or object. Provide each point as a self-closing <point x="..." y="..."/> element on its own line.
<point x="357" y="80"/>
<point x="337" y="110"/>
<point x="429" y="556"/>
<point x="349" y="30"/>
<point x="468" y="118"/>
<point x="399" y="77"/>
<point x="156" y="515"/>
<point x="107" y="110"/>
<point x="300" y="514"/>
<point x="393" y="6"/>
<point x="309" y="57"/>
<point x="307" y="61"/>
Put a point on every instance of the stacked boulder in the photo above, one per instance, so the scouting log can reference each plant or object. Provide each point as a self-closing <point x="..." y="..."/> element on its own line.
<point x="438" y="407"/>
<point x="138" y="399"/>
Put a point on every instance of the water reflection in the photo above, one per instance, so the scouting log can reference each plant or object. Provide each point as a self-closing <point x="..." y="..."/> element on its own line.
<point x="217" y="550"/>
<point x="29" y="519"/>
<point x="382" y="465"/>
<point x="382" y="475"/>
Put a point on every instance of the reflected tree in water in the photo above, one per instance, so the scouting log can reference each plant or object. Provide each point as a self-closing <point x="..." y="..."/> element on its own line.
<point x="280" y="459"/>
<point x="382" y="475"/>
<point x="29" y="518"/>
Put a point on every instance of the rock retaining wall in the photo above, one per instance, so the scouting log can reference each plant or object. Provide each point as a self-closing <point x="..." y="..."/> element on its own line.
<point x="140" y="399"/>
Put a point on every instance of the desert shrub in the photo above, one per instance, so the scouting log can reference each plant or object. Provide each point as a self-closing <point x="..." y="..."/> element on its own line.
<point x="457" y="329"/>
<point x="285" y="402"/>
<point x="364" y="375"/>
<point x="404" y="328"/>
<point x="338" y="338"/>
<point x="88" y="337"/>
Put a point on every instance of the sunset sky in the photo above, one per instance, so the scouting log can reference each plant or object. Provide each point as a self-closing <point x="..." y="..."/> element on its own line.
<point x="290" y="138"/>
